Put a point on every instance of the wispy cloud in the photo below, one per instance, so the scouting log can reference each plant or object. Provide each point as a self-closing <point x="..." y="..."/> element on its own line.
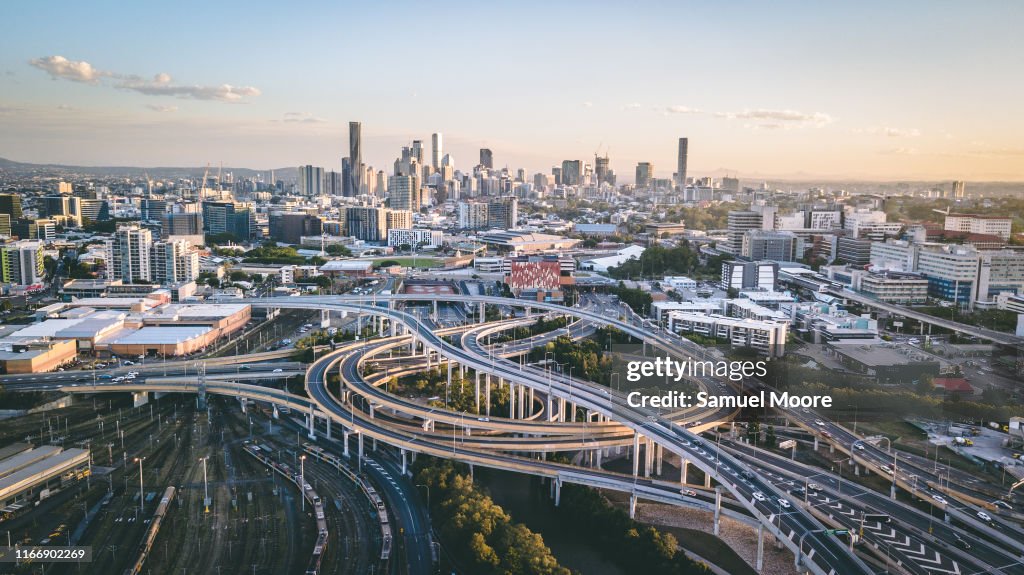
<point x="588" y="104"/>
<point x="889" y="131"/>
<point x="633" y="106"/>
<point x="900" y="151"/>
<point x="159" y="108"/>
<point x="682" y="110"/>
<point x="302" y="118"/>
<point x="781" y="117"/>
<point x="59" y="67"/>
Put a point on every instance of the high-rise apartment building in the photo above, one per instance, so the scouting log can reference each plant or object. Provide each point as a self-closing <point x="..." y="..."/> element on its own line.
<point x="402" y="194"/>
<point x="572" y="172"/>
<point x="741" y="221"/>
<point x="768" y="245"/>
<point x="236" y="218"/>
<point x="503" y="213"/>
<point x="644" y="174"/>
<point x="174" y="262"/>
<point x="66" y="206"/>
<point x="366" y="223"/>
<point x="487" y="158"/>
<point x="472" y="215"/>
<point x="333" y="185"/>
<point x="435" y="150"/>
<point x="417" y="151"/>
<point x="128" y="254"/>
<point x="681" y="163"/>
<point x="21" y="262"/>
<point x="311" y="181"/>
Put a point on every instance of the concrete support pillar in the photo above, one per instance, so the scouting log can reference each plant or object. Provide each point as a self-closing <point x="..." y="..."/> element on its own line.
<point x="511" y="400"/>
<point x="487" y="393"/>
<point x="328" y="427"/>
<point x="815" y="442"/>
<point x="831" y="448"/>
<point x="522" y="401"/>
<point x="558" y="491"/>
<point x="718" y="509"/>
<point x="482" y="314"/>
<point x="561" y="409"/>
<point x="375" y="444"/>
<point x="360" y="438"/>
<point x="529" y="410"/>
<point x="403" y="462"/>
<point x="550" y="408"/>
<point x="598" y="462"/>
<point x="648" y="457"/>
<point x="659" y="457"/>
<point x="707" y="480"/>
<point x="373" y="411"/>
<point x="636" y="454"/>
<point x="476" y="395"/>
<point x="312" y="424"/>
<point x="632" y="506"/>
<point x="435" y="308"/>
<point x="683" y="465"/>
<point x="344" y="443"/>
<point x="760" y="547"/>
<point x="572" y="412"/>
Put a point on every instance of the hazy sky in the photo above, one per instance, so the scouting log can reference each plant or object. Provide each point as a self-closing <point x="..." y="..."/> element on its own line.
<point x="869" y="89"/>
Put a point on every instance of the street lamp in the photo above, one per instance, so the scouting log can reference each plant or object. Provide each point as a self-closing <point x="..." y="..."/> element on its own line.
<point x="302" y="480"/>
<point x="141" y="489"/>
<point x="206" y="487"/>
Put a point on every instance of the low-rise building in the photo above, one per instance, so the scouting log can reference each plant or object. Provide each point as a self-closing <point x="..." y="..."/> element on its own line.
<point x="767" y="337"/>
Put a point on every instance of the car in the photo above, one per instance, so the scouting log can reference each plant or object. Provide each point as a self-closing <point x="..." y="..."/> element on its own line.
<point x="1002" y="504"/>
<point x="129" y="363"/>
<point x="940" y="499"/>
<point x="245" y="368"/>
<point x="106" y="376"/>
<point x="748" y="474"/>
<point x="859" y="447"/>
<point x="783" y="503"/>
<point x="813" y="487"/>
<point x="887" y="470"/>
<point x="805" y="410"/>
<point x="759" y="496"/>
<point x="484" y="419"/>
<point x="819" y="423"/>
<point x="81" y="379"/>
<point x="688" y="492"/>
<point x="984" y="516"/>
<point x="799" y="492"/>
<point x="826" y="434"/>
<point x="278" y="370"/>
<point x="961" y="543"/>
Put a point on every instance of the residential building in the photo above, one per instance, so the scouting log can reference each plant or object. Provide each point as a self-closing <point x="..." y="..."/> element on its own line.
<point x="128" y="254"/>
<point x="311" y="181"/>
<point x="472" y="215"/>
<point x="977" y="224"/>
<point x="741" y="275"/>
<point x="768" y="245"/>
<point x="415" y="239"/>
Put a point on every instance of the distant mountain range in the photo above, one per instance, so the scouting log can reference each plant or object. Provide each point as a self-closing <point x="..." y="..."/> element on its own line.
<point x="290" y="173"/>
<point x="156" y="173"/>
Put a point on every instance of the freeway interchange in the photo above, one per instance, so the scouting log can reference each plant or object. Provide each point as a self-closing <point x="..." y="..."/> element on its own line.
<point x="759" y="486"/>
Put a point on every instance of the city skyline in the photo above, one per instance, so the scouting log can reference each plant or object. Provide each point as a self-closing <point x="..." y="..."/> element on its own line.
<point x="872" y="93"/>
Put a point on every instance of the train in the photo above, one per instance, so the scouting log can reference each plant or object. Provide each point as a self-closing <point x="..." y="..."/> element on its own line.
<point x="375" y="499"/>
<point x="154" y="528"/>
<point x="264" y="455"/>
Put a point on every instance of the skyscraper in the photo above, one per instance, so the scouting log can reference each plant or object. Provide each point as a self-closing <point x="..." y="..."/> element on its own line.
<point x="311" y="181"/>
<point x="417" y="151"/>
<point x="355" y="156"/>
<point x="572" y="172"/>
<point x="486" y="158"/>
<point x="601" y="168"/>
<point x="644" y="174"/>
<point x="681" y="164"/>
<point x="401" y="192"/>
<point x="10" y="204"/>
<point x="958" y="189"/>
<point x="347" y="189"/>
<point x="435" y="150"/>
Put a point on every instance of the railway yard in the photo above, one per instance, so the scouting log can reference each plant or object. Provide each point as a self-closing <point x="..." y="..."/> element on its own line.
<point x="254" y="523"/>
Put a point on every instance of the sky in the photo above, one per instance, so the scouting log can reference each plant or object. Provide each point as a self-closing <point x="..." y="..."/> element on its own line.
<point x="860" y="90"/>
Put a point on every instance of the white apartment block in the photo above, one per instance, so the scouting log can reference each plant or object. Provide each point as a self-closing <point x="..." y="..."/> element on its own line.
<point x="975" y="224"/>
<point x="417" y="239"/>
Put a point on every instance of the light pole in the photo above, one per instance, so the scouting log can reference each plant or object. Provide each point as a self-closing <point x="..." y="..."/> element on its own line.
<point x="206" y="487"/>
<point x="302" y="480"/>
<point x="141" y="488"/>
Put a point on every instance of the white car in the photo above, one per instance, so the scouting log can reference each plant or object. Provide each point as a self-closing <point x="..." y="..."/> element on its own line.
<point x="984" y="516"/>
<point x="783" y="503"/>
<point x="940" y="499"/>
<point x="819" y="423"/>
<point x="278" y="370"/>
<point x="759" y="496"/>
<point x="813" y="487"/>
<point x="860" y="447"/>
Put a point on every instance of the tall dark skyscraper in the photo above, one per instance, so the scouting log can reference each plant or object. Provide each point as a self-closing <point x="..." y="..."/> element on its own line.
<point x="681" y="164"/>
<point x="355" y="156"/>
<point x="486" y="158"/>
<point x="347" y="189"/>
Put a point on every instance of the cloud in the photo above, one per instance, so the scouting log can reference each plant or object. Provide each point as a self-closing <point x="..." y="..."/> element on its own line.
<point x="889" y="132"/>
<point x="302" y="118"/>
<point x="766" y="126"/>
<point x="901" y="151"/>
<point x="588" y="104"/>
<point x="66" y="107"/>
<point x="159" y="108"/>
<point x="74" y="70"/>
<point x="786" y="117"/>
<point x="160" y="85"/>
<point x="633" y="106"/>
<point x="682" y="110"/>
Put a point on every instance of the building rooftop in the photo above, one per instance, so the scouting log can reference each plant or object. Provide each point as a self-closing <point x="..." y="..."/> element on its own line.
<point x="32" y="474"/>
<point x="160" y="335"/>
